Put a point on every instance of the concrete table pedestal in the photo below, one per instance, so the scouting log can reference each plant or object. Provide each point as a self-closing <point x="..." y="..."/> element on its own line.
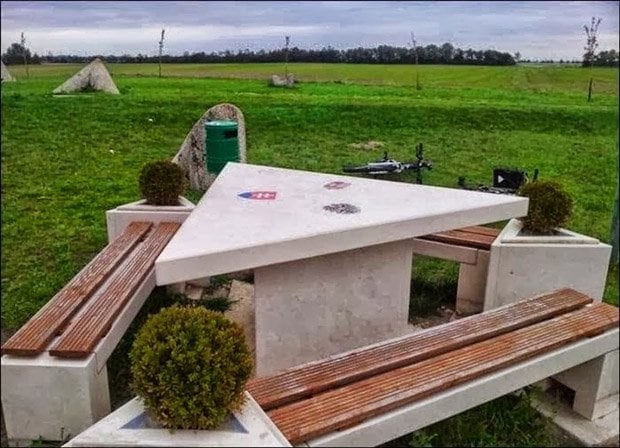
<point x="321" y="306"/>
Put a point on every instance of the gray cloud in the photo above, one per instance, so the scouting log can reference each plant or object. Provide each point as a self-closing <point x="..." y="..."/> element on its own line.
<point x="536" y="29"/>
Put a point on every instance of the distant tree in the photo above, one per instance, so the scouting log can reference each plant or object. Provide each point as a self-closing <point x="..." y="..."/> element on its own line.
<point x="590" y="49"/>
<point x="517" y="57"/>
<point x="447" y="53"/>
<point x="15" y="54"/>
<point x="383" y="54"/>
<point x="608" y="58"/>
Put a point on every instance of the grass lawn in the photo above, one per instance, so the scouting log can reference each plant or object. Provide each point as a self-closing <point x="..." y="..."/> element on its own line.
<point x="65" y="160"/>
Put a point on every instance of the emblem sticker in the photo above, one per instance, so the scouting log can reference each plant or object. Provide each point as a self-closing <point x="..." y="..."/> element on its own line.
<point x="336" y="185"/>
<point x="342" y="209"/>
<point x="259" y="195"/>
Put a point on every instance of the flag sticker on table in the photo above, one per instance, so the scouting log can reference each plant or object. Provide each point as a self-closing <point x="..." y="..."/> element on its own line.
<point x="336" y="185"/>
<point x="259" y="195"/>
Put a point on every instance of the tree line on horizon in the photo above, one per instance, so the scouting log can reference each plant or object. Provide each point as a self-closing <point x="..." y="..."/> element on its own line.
<point x="382" y="54"/>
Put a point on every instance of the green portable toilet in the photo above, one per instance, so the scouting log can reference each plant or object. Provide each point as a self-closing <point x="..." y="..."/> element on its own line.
<point x="221" y="144"/>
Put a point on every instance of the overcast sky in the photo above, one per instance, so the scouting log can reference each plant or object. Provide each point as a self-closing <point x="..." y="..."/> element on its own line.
<point x="536" y="29"/>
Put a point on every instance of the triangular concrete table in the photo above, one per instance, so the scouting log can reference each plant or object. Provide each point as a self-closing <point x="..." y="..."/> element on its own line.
<point x="331" y="254"/>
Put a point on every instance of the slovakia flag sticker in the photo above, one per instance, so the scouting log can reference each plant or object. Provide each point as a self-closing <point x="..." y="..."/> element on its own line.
<point x="259" y="195"/>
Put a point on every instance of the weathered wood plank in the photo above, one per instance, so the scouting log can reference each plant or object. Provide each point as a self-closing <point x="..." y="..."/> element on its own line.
<point x="308" y="379"/>
<point x="480" y="239"/>
<point x="83" y="334"/>
<point x="51" y="320"/>
<point x="351" y="404"/>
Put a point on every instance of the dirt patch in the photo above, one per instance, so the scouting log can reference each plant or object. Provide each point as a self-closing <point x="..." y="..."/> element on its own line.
<point x="442" y="315"/>
<point x="367" y="146"/>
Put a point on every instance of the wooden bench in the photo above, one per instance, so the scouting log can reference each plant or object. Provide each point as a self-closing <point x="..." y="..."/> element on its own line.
<point x="371" y="395"/>
<point x="469" y="246"/>
<point x="54" y="377"/>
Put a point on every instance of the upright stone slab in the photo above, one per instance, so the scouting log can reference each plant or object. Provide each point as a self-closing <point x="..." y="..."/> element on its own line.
<point x="6" y="75"/>
<point x="94" y="76"/>
<point x="192" y="152"/>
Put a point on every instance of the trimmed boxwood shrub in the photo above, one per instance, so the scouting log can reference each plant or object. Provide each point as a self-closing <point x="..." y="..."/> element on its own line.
<point x="549" y="207"/>
<point x="190" y="366"/>
<point x="162" y="182"/>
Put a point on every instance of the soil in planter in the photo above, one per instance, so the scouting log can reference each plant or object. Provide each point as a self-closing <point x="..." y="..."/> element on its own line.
<point x="554" y="232"/>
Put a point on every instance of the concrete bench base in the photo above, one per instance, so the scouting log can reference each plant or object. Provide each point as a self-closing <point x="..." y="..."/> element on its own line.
<point x="55" y="398"/>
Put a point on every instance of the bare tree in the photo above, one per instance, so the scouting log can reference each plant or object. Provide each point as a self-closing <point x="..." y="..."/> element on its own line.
<point x="23" y="42"/>
<point x="415" y="53"/>
<point x="287" y="39"/>
<point x="590" y="49"/>
<point x="161" y="47"/>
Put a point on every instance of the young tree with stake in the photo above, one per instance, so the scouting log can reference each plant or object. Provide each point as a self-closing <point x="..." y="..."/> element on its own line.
<point x="287" y="39"/>
<point x="161" y="47"/>
<point x="590" y="49"/>
<point x="24" y="52"/>
<point x="415" y="52"/>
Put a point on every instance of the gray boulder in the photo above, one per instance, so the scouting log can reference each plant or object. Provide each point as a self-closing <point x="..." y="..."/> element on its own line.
<point x="279" y="81"/>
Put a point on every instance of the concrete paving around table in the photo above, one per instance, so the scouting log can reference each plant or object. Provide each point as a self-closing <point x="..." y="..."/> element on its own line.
<point x="332" y="254"/>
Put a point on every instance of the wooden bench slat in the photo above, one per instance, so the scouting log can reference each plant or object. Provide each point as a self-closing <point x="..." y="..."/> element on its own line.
<point x="358" y="401"/>
<point x="32" y="338"/>
<point x="84" y="333"/>
<point x="462" y="238"/>
<point x="308" y="379"/>
<point x="481" y="230"/>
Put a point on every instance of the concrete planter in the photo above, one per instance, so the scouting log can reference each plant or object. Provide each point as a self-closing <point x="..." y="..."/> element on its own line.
<point x="119" y="217"/>
<point x="525" y="265"/>
<point x="130" y="426"/>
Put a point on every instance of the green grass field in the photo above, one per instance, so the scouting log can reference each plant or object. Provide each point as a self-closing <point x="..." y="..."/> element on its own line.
<point x="65" y="160"/>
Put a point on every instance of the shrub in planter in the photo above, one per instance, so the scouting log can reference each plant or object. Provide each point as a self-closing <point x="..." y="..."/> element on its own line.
<point x="162" y="182"/>
<point x="190" y="366"/>
<point x="550" y="207"/>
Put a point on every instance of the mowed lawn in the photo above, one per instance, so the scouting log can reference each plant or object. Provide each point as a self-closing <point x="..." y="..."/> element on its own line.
<point x="65" y="160"/>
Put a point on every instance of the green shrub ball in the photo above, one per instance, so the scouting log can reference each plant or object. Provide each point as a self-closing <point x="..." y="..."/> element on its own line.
<point x="549" y="207"/>
<point x="190" y="367"/>
<point x="162" y="182"/>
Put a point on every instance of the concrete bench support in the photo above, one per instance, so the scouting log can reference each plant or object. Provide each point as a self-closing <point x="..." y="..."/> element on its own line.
<point x="473" y="270"/>
<point x="595" y="384"/>
<point x="54" y="398"/>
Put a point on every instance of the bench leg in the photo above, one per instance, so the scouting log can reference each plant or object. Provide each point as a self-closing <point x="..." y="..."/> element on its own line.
<point x="595" y="384"/>
<point x="51" y="398"/>
<point x="472" y="284"/>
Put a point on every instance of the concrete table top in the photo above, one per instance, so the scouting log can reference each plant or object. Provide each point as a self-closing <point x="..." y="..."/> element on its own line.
<point x="255" y="216"/>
